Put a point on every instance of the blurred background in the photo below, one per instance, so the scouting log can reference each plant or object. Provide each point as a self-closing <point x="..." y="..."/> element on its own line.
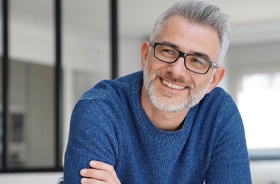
<point x="51" y="52"/>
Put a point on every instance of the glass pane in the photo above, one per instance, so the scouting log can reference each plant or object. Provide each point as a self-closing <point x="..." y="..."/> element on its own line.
<point x="31" y="123"/>
<point x="258" y="102"/>
<point x="1" y="65"/>
<point x="86" y="50"/>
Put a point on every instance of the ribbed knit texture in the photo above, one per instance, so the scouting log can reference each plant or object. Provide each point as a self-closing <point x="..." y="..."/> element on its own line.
<point x="109" y="124"/>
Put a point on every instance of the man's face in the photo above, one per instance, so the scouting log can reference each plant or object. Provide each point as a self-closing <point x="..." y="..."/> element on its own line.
<point x="171" y="87"/>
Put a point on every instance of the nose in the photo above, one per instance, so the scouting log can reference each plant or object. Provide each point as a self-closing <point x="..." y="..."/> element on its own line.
<point x="178" y="67"/>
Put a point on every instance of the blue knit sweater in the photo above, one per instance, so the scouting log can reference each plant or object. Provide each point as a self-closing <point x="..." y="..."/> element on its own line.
<point x="109" y="124"/>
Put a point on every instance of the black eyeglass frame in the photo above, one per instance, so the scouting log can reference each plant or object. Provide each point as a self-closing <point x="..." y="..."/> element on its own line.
<point x="184" y="55"/>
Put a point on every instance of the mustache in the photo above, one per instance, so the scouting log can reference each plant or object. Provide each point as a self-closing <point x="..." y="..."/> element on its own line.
<point x="171" y="77"/>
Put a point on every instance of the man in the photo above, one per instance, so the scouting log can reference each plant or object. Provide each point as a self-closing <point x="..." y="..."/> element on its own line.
<point x="169" y="123"/>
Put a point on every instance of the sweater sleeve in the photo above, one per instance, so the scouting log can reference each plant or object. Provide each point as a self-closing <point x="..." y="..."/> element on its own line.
<point x="92" y="137"/>
<point x="229" y="161"/>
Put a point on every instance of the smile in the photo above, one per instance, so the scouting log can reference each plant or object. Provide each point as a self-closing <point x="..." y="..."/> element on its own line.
<point x="173" y="86"/>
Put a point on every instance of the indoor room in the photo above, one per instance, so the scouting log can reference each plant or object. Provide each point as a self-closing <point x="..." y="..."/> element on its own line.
<point x="51" y="52"/>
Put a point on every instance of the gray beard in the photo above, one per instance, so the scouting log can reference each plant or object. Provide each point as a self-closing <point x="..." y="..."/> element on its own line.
<point x="189" y="102"/>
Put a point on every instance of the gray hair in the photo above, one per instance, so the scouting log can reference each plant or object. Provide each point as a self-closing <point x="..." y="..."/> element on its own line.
<point x="198" y="12"/>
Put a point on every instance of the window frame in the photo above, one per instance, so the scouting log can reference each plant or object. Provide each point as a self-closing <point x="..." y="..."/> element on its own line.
<point x="57" y="82"/>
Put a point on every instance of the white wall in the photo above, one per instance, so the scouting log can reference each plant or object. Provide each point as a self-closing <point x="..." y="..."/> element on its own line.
<point x="30" y="178"/>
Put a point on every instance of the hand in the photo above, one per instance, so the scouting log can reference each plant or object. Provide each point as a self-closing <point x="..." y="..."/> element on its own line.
<point x="99" y="173"/>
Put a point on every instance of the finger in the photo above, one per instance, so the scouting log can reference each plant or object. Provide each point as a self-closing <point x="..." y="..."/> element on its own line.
<point x="103" y="166"/>
<point x="91" y="181"/>
<point x="91" y="175"/>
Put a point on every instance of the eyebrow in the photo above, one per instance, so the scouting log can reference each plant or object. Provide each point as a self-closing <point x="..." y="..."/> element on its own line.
<point x="199" y="54"/>
<point x="203" y="55"/>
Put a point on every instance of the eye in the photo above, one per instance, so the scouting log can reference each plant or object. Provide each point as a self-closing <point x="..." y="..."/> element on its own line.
<point x="197" y="61"/>
<point x="168" y="51"/>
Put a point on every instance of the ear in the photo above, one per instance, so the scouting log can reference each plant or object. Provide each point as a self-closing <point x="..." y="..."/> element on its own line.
<point x="144" y="53"/>
<point x="218" y="76"/>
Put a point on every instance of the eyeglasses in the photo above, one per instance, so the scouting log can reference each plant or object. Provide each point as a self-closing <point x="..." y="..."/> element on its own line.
<point x="193" y="63"/>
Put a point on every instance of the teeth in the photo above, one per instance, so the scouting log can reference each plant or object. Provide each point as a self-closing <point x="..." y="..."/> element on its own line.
<point x="173" y="86"/>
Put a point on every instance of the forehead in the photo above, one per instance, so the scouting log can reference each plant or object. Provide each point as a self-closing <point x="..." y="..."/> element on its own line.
<point x="190" y="37"/>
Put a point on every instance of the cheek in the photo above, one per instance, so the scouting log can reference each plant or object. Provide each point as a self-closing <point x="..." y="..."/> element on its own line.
<point x="156" y="65"/>
<point x="150" y="65"/>
<point x="200" y="83"/>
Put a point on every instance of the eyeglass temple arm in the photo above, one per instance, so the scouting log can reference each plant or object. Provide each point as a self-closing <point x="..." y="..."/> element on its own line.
<point x="215" y="65"/>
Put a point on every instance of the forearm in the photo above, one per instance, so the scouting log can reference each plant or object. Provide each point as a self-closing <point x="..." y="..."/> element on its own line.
<point x="88" y="140"/>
